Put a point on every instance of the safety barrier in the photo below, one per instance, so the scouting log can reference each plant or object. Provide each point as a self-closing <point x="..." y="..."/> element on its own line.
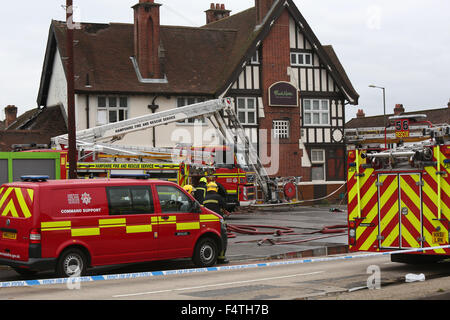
<point x="56" y="281"/>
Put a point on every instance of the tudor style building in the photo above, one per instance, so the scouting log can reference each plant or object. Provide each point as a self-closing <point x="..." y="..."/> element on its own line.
<point x="267" y="58"/>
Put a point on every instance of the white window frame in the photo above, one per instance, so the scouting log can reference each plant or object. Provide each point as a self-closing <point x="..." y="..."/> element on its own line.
<point x="281" y="129"/>
<point x="301" y="56"/>
<point x="245" y="110"/>
<point x="311" y="112"/>
<point x="255" y="58"/>
<point x="318" y="163"/>
<point x="184" y="101"/>
<point x="112" y="104"/>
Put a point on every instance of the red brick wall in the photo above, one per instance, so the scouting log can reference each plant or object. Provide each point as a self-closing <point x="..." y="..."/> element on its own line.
<point x="275" y="61"/>
<point x="147" y="39"/>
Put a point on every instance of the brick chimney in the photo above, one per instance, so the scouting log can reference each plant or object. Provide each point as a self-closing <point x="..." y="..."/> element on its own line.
<point x="398" y="110"/>
<point x="216" y="12"/>
<point x="10" y="115"/>
<point x="147" y="38"/>
<point x="448" y="104"/>
<point x="262" y="8"/>
<point x="360" y="114"/>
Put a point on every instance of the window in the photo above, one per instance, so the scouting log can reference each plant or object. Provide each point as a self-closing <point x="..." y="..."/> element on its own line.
<point x="318" y="165"/>
<point x="246" y="111"/>
<point x="183" y="101"/>
<point x="281" y="129"/>
<point x="173" y="200"/>
<point x="316" y="112"/>
<point x="111" y="109"/>
<point x="130" y="200"/>
<point x="301" y="59"/>
<point x="255" y="58"/>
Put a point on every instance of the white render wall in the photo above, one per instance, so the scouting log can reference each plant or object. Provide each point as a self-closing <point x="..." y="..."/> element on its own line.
<point x="166" y="135"/>
<point x="57" y="93"/>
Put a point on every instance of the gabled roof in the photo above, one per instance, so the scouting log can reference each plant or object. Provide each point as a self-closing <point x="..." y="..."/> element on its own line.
<point x="435" y="116"/>
<point x="198" y="61"/>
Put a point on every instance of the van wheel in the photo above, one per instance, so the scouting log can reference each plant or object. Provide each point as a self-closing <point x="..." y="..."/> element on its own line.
<point x="205" y="253"/>
<point x="72" y="263"/>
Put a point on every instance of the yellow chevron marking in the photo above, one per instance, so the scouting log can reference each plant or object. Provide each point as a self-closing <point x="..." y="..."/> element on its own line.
<point x="408" y="237"/>
<point x="31" y="194"/>
<point x="25" y="211"/>
<point x="10" y="209"/>
<point x="5" y="196"/>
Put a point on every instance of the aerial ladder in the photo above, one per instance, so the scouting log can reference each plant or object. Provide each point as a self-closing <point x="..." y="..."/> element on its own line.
<point x="100" y="139"/>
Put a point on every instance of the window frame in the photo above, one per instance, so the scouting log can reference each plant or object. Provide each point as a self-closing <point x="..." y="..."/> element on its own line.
<point x="246" y="110"/>
<point x="321" y="163"/>
<point x="303" y="55"/>
<point x="132" y="208"/>
<point x="280" y="132"/>
<point x="311" y="111"/>
<point x="116" y="104"/>
<point x="190" y="201"/>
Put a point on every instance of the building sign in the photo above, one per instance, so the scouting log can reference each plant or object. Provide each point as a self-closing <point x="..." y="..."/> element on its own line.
<point x="283" y="94"/>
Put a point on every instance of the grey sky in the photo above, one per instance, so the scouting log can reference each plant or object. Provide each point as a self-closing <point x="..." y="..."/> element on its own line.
<point x="403" y="45"/>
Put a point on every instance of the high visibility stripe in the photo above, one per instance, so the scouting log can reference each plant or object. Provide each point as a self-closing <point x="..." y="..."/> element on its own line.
<point x="55" y="224"/>
<point x="208" y="217"/>
<point x="30" y="194"/>
<point x="10" y="208"/>
<point x="82" y="232"/>
<point x="389" y="227"/>
<point x="112" y="223"/>
<point x="211" y="201"/>
<point x="410" y="200"/>
<point x="171" y="220"/>
<point x="15" y="203"/>
<point x="188" y="226"/>
<point x="5" y="196"/>
<point x="25" y="211"/>
<point x="139" y="229"/>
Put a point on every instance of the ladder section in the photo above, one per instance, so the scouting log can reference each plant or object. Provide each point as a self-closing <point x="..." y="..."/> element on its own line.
<point x="115" y="131"/>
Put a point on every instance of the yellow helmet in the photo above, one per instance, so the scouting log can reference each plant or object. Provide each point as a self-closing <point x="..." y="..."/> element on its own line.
<point x="188" y="188"/>
<point x="203" y="180"/>
<point x="212" y="186"/>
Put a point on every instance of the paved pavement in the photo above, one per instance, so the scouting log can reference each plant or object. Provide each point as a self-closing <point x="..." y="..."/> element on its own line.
<point x="302" y="220"/>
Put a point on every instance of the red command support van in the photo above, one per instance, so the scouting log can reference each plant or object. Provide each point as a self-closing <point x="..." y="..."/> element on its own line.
<point x="70" y="225"/>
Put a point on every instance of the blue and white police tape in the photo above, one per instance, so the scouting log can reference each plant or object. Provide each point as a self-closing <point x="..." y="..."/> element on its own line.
<point x="56" y="281"/>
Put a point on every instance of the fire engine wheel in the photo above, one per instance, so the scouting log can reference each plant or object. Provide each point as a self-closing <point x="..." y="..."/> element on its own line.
<point x="206" y="252"/>
<point x="72" y="263"/>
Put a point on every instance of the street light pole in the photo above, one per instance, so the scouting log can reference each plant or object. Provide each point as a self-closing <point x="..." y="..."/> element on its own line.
<point x="72" y="156"/>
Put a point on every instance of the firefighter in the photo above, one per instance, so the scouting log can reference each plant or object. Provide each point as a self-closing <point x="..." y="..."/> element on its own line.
<point x="188" y="188"/>
<point x="200" y="190"/>
<point x="215" y="202"/>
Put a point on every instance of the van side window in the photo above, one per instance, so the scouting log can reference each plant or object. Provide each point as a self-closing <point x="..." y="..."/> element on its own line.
<point x="173" y="200"/>
<point x="130" y="200"/>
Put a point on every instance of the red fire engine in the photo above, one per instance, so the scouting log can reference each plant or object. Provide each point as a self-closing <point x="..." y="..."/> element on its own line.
<point x="399" y="189"/>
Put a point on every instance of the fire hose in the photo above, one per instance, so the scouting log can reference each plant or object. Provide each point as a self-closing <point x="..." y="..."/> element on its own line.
<point x="329" y="231"/>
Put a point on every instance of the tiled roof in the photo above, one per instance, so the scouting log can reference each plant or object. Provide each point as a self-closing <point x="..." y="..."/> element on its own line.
<point x="435" y="116"/>
<point x="35" y="126"/>
<point x="198" y="61"/>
